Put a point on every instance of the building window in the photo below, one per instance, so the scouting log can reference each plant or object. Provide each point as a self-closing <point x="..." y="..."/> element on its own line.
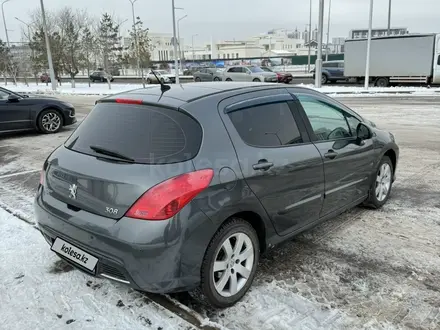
<point x="227" y="55"/>
<point x="236" y="55"/>
<point x="209" y="56"/>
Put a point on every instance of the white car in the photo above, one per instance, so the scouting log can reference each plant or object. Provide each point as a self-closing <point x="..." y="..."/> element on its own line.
<point x="163" y="75"/>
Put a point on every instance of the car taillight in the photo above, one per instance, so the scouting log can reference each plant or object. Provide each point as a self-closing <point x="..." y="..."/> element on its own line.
<point x="166" y="199"/>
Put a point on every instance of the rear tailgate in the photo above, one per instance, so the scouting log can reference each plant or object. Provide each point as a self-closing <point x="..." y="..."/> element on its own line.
<point x="146" y="145"/>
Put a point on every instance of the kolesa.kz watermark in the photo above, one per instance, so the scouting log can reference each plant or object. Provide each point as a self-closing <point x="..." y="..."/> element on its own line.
<point x="77" y="255"/>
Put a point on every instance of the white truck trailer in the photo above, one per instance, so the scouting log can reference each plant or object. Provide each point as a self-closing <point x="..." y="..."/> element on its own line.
<point x="409" y="59"/>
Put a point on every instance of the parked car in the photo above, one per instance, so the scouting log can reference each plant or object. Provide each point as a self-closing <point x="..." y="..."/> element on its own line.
<point x="332" y="71"/>
<point x="31" y="112"/>
<point x="283" y="77"/>
<point x="45" y="78"/>
<point x="198" y="179"/>
<point x="248" y="73"/>
<point x="163" y="75"/>
<point x="207" y="74"/>
<point x="101" y="76"/>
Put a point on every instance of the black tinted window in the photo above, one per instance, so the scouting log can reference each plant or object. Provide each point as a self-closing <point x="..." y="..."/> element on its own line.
<point x="147" y="134"/>
<point x="268" y="125"/>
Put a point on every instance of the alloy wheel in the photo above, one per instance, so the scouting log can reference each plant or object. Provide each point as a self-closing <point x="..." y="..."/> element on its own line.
<point x="383" y="182"/>
<point x="233" y="264"/>
<point x="51" y="122"/>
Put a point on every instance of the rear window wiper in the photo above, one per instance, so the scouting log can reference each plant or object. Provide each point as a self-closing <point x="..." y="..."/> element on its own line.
<point x="112" y="153"/>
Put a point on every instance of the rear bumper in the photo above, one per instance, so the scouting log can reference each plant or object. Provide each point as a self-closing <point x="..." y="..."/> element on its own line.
<point x="165" y="261"/>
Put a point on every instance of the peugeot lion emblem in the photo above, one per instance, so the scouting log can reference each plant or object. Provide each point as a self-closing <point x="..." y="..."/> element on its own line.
<point x="72" y="191"/>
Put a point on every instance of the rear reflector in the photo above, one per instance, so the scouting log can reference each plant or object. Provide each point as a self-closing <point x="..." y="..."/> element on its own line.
<point x="167" y="198"/>
<point x="128" y="101"/>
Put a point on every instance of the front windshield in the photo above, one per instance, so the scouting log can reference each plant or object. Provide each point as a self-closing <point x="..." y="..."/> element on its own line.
<point x="255" y="69"/>
<point x="265" y="68"/>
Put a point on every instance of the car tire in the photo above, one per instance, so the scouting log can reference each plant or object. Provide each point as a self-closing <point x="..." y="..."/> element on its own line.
<point x="233" y="231"/>
<point x="102" y="79"/>
<point x="256" y="80"/>
<point x="50" y="121"/>
<point x="216" y="79"/>
<point x="382" y="82"/>
<point x="93" y="80"/>
<point x="380" y="189"/>
<point x="148" y="81"/>
<point x="228" y="79"/>
<point x="197" y="79"/>
<point x="324" y="79"/>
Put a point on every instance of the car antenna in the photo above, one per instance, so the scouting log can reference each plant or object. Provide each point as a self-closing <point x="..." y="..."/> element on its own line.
<point x="163" y="87"/>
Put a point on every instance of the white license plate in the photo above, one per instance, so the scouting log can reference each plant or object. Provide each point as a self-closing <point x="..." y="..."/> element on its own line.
<point x="71" y="252"/>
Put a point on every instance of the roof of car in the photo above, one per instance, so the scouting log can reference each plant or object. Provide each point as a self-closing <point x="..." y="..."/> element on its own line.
<point x="183" y="93"/>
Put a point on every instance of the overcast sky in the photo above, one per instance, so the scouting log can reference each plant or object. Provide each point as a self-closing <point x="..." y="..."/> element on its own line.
<point x="229" y="19"/>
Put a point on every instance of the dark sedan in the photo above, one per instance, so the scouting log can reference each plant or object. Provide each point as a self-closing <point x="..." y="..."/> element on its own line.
<point x="283" y="77"/>
<point x="23" y="112"/>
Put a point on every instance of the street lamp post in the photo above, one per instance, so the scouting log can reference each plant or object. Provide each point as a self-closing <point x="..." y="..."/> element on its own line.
<point x="310" y="35"/>
<point x="318" y="65"/>
<point x="176" y="61"/>
<point x="4" y="22"/>
<point x="178" y="38"/>
<point x="328" y="29"/>
<point x="192" y="41"/>
<point x="139" y="68"/>
<point x="49" y="53"/>
<point x="389" y="17"/>
<point x="367" y="64"/>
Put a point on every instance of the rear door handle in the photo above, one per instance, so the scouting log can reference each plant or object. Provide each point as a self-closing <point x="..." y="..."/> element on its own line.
<point x="331" y="154"/>
<point x="262" y="166"/>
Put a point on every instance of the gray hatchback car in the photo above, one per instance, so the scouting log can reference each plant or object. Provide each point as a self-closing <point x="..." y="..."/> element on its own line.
<point x="183" y="189"/>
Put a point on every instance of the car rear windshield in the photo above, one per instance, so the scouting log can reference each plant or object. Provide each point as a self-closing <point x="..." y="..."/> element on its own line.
<point x="145" y="134"/>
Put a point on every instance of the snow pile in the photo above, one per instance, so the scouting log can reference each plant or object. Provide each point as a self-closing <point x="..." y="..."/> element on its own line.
<point x="102" y="89"/>
<point x="382" y="91"/>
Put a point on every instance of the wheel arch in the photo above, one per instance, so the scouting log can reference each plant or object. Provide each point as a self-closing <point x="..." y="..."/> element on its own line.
<point x="256" y="221"/>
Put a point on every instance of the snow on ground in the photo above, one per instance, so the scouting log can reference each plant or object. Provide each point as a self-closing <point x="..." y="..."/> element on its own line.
<point x="363" y="270"/>
<point x="40" y="292"/>
<point x="335" y="90"/>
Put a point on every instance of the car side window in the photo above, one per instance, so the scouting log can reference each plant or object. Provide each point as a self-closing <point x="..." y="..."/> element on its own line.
<point x="232" y="70"/>
<point x="267" y="125"/>
<point x="3" y="95"/>
<point x="328" y="122"/>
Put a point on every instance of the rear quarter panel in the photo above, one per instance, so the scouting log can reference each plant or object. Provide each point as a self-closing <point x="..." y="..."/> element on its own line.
<point x="228" y="193"/>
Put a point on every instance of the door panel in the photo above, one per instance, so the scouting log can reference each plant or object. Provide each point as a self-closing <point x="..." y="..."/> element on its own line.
<point x="347" y="164"/>
<point x="14" y="115"/>
<point x="280" y="165"/>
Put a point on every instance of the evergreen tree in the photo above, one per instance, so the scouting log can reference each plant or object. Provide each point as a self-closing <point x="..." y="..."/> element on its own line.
<point x="144" y="45"/>
<point x="109" y="42"/>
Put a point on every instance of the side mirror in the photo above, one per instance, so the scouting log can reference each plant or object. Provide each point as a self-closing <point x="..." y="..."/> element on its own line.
<point x="13" y="98"/>
<point x="363" y="132"/>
